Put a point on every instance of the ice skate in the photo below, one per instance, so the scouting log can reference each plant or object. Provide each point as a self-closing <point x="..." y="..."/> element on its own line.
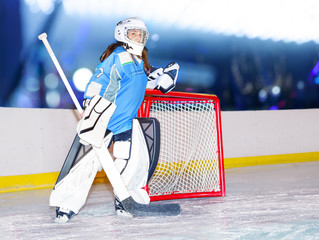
<point x="120" y="209"/>
<point x="63" y="215"/>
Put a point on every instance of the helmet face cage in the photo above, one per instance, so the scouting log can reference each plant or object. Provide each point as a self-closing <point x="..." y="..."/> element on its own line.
<point x="141" y="39"/>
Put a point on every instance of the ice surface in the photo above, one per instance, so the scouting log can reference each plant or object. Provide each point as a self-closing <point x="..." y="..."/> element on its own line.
<point x="262" y="202"/>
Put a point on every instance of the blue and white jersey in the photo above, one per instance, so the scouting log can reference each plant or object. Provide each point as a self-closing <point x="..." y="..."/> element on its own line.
<point x="121" y="80"/>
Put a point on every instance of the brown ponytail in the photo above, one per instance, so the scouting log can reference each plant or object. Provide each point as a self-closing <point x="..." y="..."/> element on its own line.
<point x="113" y="46"/>
<point x="147" y="66"/>
<point x="109" y="50"/>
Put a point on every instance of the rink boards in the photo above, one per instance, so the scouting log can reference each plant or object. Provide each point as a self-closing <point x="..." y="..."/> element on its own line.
<point x="35" y="141"/>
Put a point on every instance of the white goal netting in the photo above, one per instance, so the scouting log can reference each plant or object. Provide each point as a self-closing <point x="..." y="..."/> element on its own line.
<point x="188" y="161"/>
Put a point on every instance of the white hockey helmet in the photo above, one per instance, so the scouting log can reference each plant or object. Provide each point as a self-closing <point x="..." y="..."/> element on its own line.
<point x="124" y="28"/>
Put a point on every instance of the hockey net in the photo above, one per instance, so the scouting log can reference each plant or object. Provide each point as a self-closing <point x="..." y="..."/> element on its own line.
<point x="191" y="155"/>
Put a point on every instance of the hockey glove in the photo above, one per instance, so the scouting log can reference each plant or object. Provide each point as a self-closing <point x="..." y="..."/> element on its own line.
<point x="167" y="81"/>
<point x="153" y="78"/>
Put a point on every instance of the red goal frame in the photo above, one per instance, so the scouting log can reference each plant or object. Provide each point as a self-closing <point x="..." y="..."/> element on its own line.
<point x="144" y="111"/>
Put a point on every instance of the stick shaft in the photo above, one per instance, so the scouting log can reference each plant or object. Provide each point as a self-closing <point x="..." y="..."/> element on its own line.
<point x="111" y="172"/>
<point x="102" y="153"/>
<point x="64" y="79"/>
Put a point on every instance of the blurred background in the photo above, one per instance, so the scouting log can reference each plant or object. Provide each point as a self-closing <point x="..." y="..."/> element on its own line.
<point x="253" y="54"/>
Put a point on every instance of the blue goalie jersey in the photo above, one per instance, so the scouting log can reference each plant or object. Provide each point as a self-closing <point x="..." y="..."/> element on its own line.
<point x="121" y="79"/>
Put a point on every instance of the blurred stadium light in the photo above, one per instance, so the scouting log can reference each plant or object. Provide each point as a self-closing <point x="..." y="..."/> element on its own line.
<point x="253" y="54"/>
<point x="278" y="20"/>
<point x="81" y="77"/>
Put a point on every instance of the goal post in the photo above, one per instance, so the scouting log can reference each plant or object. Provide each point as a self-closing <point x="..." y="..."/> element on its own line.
<point x="191" y="162"/>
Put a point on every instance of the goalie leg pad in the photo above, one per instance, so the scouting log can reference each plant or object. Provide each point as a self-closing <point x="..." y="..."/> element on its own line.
<point x="134" y="171"/>
<point x="92" y="126"/>
<point x="72" y="191"/>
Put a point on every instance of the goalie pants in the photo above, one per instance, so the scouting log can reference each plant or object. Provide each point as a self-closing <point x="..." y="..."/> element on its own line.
<point x="72" y="191"/>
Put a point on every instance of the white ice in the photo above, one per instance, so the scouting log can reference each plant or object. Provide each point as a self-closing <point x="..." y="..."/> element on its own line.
<point x="261" y="202"/>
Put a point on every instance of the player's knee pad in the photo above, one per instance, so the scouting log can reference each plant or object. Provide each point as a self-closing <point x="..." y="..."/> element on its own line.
<point x="121" y="152"/>
<point x="121" y="149"/>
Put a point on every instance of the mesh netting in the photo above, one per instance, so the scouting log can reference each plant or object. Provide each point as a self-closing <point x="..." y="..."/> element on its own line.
<point x="188" y="160"/>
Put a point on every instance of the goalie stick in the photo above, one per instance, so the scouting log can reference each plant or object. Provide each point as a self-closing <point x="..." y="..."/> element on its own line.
<point x="129" y="204"/>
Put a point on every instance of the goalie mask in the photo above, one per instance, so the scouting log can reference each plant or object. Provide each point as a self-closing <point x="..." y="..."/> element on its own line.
<point x="133" y="33"/>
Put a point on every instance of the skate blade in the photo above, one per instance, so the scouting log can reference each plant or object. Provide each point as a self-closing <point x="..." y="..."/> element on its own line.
<point x="123" y="213"/>
<point x="62" y="219"/>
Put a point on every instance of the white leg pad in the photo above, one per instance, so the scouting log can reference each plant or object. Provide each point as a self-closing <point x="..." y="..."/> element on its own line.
<point x="136" y="171"/>
<point x="72" y="191"/>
